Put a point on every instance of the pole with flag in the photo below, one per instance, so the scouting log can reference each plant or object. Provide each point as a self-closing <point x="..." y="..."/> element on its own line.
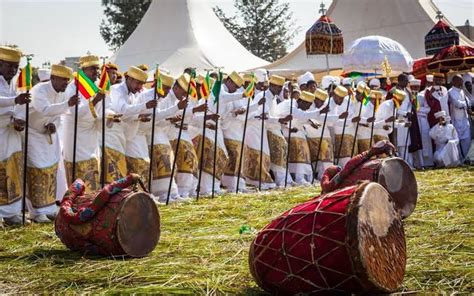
<point x="261" y="142"/>
<point x="25" y="83"/>
<point x="104" y="87"/>
<point x="87" y="88"/>
<point x="180" y="132"/>
<point x="216" y="90"/>
<point x="321" y="140"/>
<point x="343" y="129"/>
<point x="205" y="92"/>
<point x="250" y="94"/>
<point x="357" y="124"/>
<point x="158" y="86"/>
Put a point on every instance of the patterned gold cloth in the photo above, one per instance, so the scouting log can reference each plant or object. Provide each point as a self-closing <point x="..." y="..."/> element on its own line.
<point x="115" y="164"/>
<point x="187" y="160"/>
<point x="208" y="164"/>
<point x="42" y="185"/>
<point x="138" y="166"/>
<point x="87" y="170"/>
<point x="363" y="145"/>
<point x="10" y="178"/>
<point x="233" y="149"/>
<point x="278" y="149"/>
<point x="346" y="150"/>
<point x="326" y="154"/>
<point x="251" y="165"/>
<point x="299" y="151"/>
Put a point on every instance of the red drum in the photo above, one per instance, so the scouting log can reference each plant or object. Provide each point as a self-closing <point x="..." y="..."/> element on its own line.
<point x="126" y="223"/>
<point x="395" y="175"/>
<point x="350" y="241"/>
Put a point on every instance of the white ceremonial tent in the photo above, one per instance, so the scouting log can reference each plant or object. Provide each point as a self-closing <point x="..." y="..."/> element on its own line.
<point x="184" y="33"/>
<point x="405" y="21"/>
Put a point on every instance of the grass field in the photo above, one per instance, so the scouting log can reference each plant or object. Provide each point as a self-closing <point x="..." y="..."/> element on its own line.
<point x="202" y="252"/>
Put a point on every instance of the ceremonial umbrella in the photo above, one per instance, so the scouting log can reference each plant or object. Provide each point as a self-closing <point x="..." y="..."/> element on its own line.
<point x="324" y="37"/>
<point x="368" y="54"/>
<point x="440" y="36"/>
<point x="420" y="67"/>
<point x="453" y="58"/>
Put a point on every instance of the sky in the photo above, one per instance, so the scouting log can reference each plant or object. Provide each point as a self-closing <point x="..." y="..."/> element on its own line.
<point x="54" y="29"/>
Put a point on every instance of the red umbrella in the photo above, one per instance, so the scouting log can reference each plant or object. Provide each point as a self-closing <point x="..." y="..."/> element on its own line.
<point x="420" y="67"/>
<point x="453" y="58"/>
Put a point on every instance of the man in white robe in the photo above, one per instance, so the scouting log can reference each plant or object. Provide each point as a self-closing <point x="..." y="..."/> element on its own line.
<point x="460" y="110"/>
<point x="437" y="99"/>
<point x="46" y="178"/>
<point x="88" y="129"/>
<point x="186" y="169"/>
<point x="137" y="149"/>
<point x="424" y="110"/>
<point x="469" y="92"/>
<point x="446" y="139"/>
<point x="12" y="111"/>
<point x="124" y="102"/>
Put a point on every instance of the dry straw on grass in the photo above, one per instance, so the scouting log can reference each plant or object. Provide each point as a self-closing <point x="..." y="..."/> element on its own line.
<point x="202" y="252"/>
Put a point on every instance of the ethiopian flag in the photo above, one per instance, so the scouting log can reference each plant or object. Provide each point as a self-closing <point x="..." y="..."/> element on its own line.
<point x="205" y="87"/>
<point x="86" y="87"/>
<point x="216" y="88"/>
<point x="366" y="99"/>
<point x="193" y="88"/>
<point x="24" y="79"/>
<point x="104" y="82"/>
<point x="250" y="90"/>
<point x="159" y="83"/>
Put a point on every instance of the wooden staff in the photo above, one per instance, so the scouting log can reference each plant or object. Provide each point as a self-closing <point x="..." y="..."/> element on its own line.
<point x="412" y="113"/>
<point x="320" y="143"/>
<point x="102" y="163"/>
<point x="356" y="130"/>
<point x="243" y="142"/>
<point x="202" y="153"/>
<point x="289" y="143"/>
<point x="373" y="124"/>
<point x="261" y="142"/>
<point x="152" y="140"/>
<point x="176" y="150"/>
<point x="343" y="132"/>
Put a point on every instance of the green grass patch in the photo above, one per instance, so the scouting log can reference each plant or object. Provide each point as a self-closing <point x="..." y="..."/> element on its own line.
<point x="202" y="252"/>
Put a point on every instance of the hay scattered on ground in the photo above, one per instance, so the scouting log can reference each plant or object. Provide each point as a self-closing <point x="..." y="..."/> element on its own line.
<point x="202" y="252"/>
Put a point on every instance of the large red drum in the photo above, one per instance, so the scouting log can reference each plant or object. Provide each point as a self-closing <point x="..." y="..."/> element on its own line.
<point x="395" y="175"/>
<point x="350" y="241"/>
<point x="127" y="224"/>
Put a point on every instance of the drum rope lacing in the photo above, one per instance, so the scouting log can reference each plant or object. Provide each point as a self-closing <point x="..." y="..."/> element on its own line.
<point x="319" y="209"/>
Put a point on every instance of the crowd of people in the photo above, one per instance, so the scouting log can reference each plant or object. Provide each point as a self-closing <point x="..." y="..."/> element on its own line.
<point x="294" y="130"/>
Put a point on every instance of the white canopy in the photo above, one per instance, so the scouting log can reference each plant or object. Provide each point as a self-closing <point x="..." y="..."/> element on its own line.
<point x="184" y="33"/>
<point x="405" y="21"/>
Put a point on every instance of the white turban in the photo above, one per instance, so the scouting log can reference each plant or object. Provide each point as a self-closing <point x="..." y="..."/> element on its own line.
<point x="346" y="81"/>
<point x="429" y="78"/>
<point x="415" y="82"/>
<point x="261" y="75"/>
<point x="440" y="114"/>
<point x="336" y="80"/>
<point x="326" y="81"/>
<point x="305" y="78"/>
<point x="374" y="82"/>
<point x="410" y="77"/>
<point x="44" y="74"/>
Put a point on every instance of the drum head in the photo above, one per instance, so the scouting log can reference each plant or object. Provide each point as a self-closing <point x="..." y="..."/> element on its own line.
<point x="377" y="239"/>
<point x="399" y="180"/>
<point x="138" y="225"/>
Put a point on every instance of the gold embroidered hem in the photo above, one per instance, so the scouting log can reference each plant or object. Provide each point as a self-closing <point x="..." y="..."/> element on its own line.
<point x="233" y="150"/>
<point x="87" y="170"/>
<point x="363" y="145"/>
<point x="326" y="154"/>
<point x="138" y="166"/>
<point x="42" y="185"/>
<point x="186" y="161"/>
<point x="378" y="138"/>
<point x="251" y="165"/>
<point x="162" y="161"/>
<point x="299" y="151"/>
<point x="115" y="164"/>
<point x="278" y="149"/>
<point x="10" y="178"/>
<point x="208" y="165"/>
<point x="346" y="145"/>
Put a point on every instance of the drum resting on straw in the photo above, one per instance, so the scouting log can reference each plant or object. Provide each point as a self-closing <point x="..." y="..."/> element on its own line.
<point x="349" y="241"/>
